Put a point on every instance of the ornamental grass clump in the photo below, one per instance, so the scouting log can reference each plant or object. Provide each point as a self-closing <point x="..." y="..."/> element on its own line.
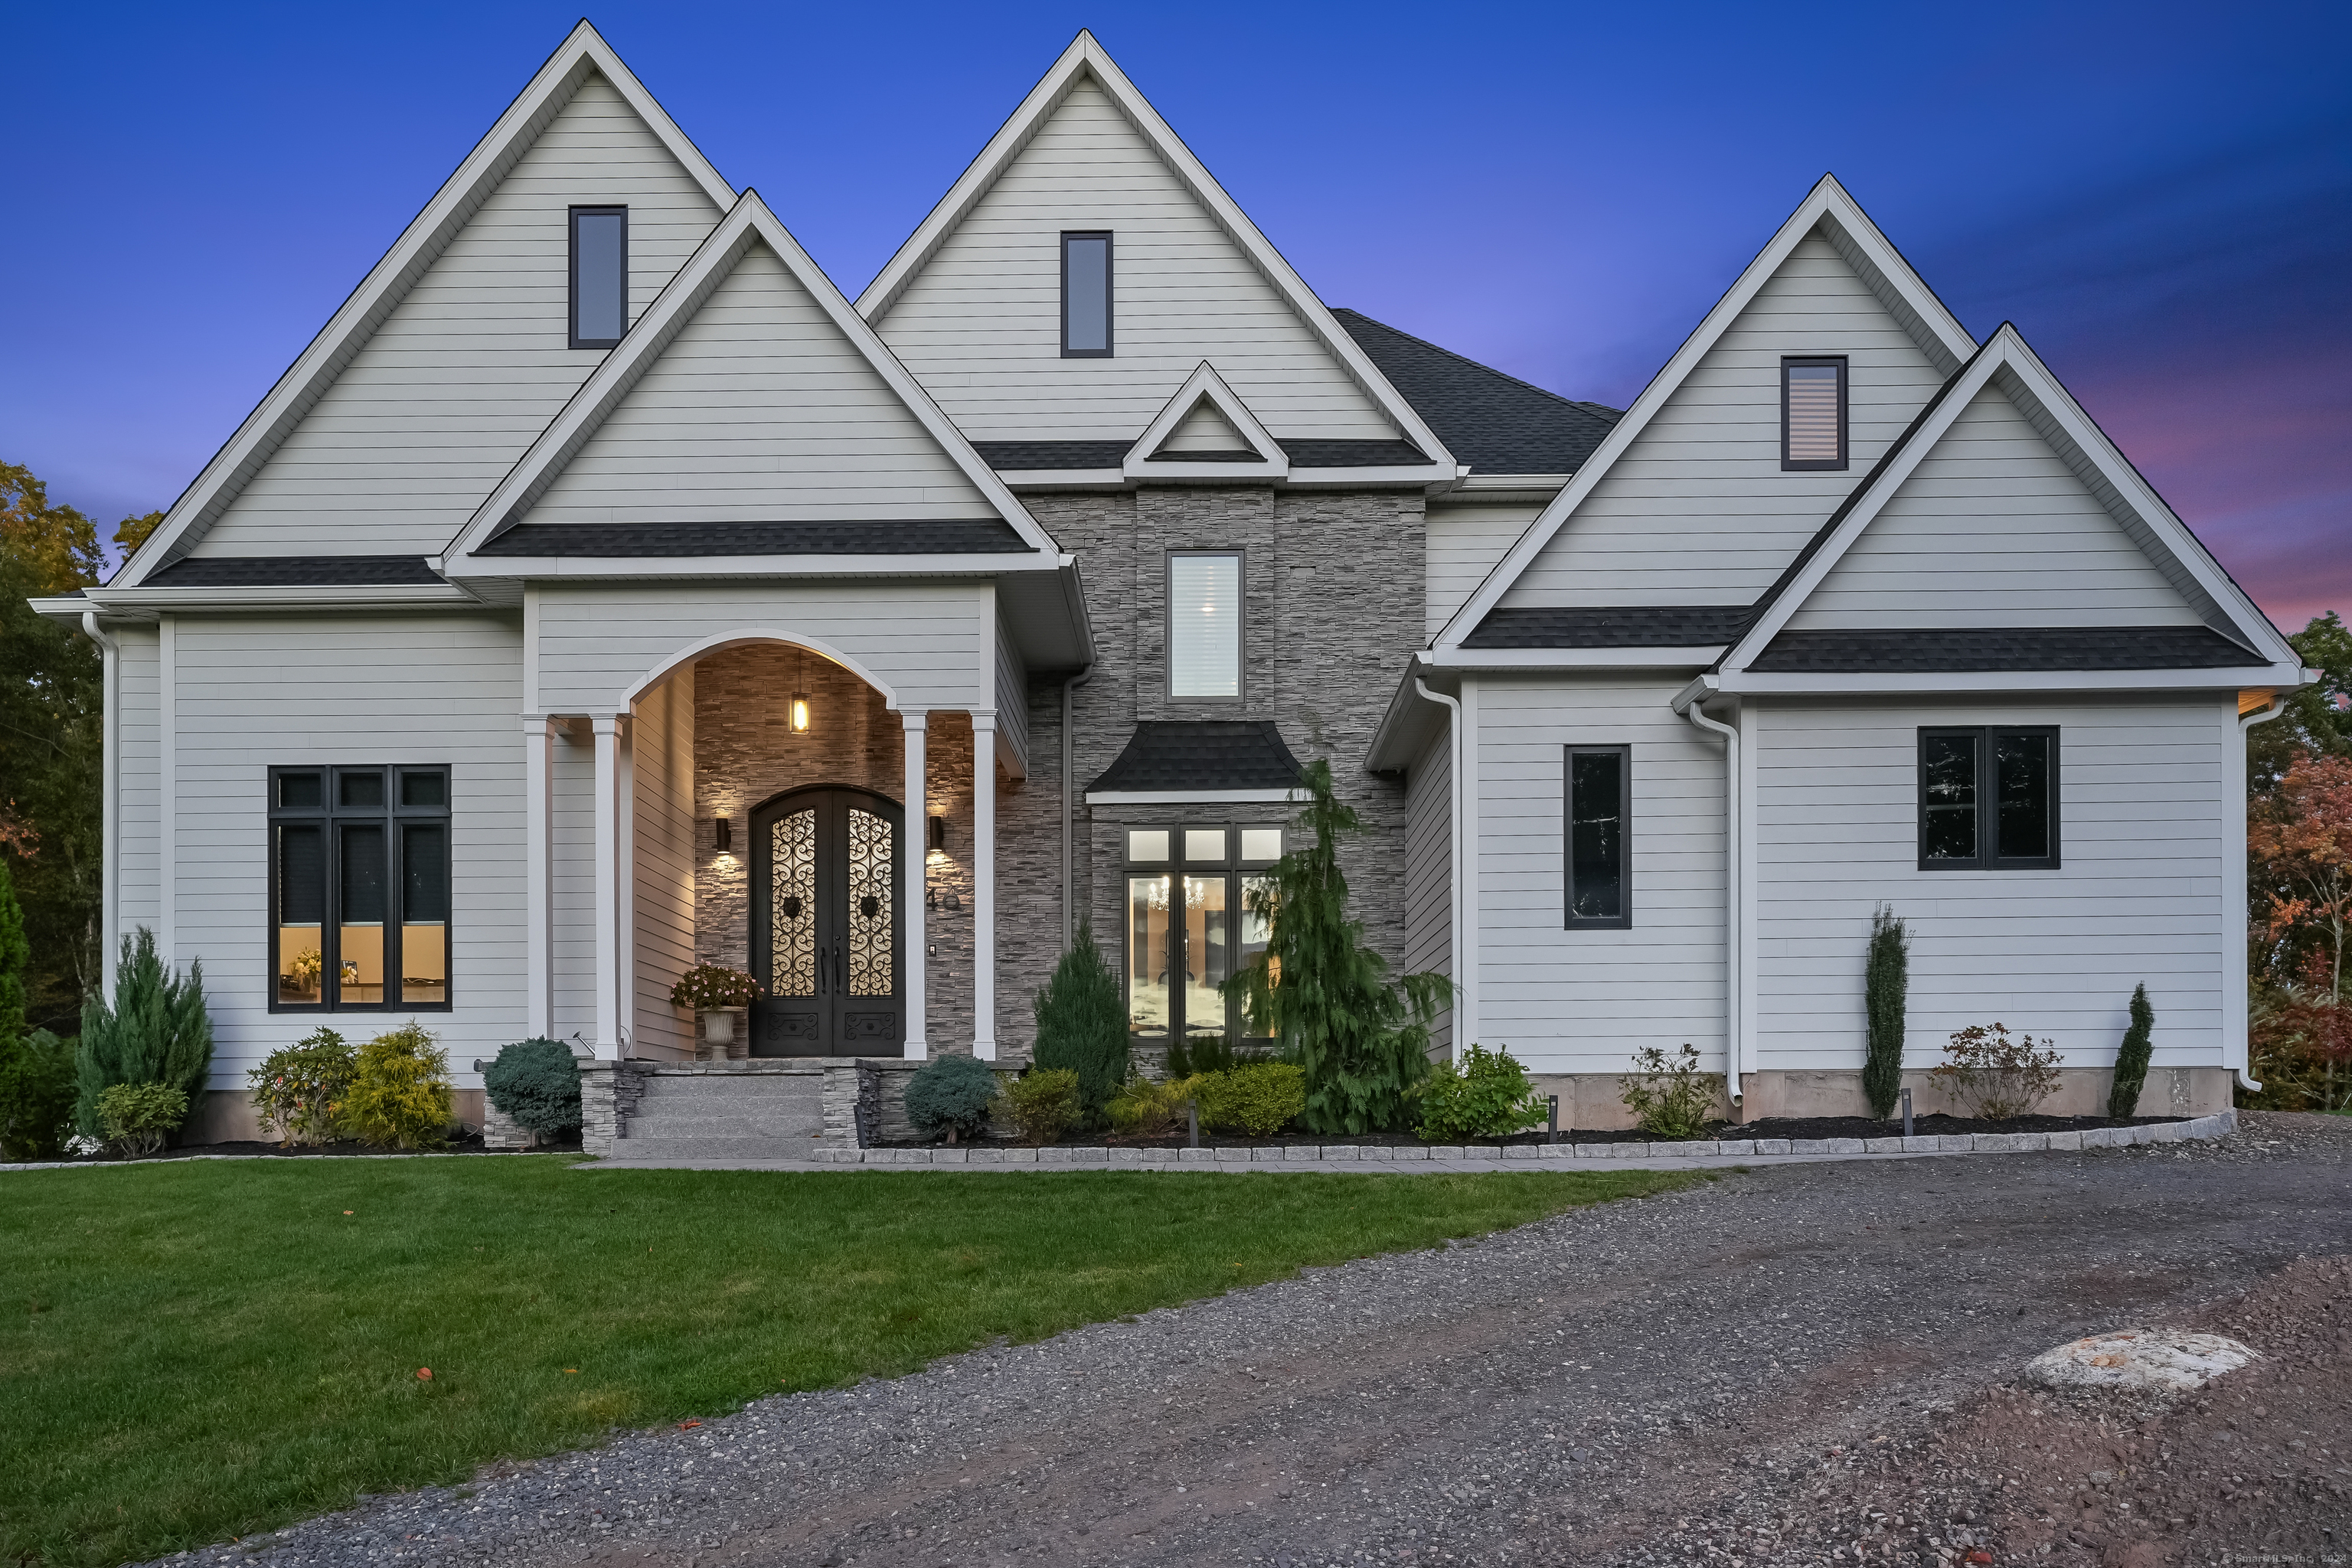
<point x="1885" y="989"/>
<point x="1487" y="1095"/>
<point x="1082" y="1025"/>
<point x="1149" y="1108"/>
<point x="136" y="1117"/>
<point x="1258" y="1099"/>
<point x="296" y="1088"/>
<point x="1996" y="1078"/>
<point x="1669" y="1097"/>
<point x="536" y="1083"/>
<point x="1044" y="1103"/>
<point x="156" y="1031"/>
<point x="950" y="1097"/>
<point x="2132" y="1057"/>
<point x="400" y="1094"/>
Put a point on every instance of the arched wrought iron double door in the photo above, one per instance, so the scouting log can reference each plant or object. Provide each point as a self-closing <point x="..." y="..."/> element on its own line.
<point x="825" y="924"/>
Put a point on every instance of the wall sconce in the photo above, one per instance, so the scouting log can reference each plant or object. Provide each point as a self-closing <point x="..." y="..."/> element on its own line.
<point x="938" y="839"/>
<point x="722" y="835"/>
<point x="798" y="720"/>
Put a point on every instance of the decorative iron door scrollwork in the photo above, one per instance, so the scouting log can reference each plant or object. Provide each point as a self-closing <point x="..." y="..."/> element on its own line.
<point x="825" y="924"/>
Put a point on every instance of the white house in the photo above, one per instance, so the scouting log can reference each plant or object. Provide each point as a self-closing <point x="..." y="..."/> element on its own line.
<point x="601" y="592"/>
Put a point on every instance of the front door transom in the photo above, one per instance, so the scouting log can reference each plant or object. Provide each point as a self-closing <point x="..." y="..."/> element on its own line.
<point x="825" y="908"/>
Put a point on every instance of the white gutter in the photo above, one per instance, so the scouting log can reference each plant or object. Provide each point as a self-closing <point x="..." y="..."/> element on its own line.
<point x="1687" y="703"/>
<point x="1461" y="973"/>
<point x="110" y="849"/>
<point x="2234" y="855"/>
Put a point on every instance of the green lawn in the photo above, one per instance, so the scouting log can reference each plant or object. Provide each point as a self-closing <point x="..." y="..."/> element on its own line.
<point x="200" y="1349"/>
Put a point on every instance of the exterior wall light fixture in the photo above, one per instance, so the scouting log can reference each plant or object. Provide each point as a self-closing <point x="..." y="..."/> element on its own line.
<point x="938" y="839"/>
<point x="798" y="720"/>
<point x="722" y="835"/>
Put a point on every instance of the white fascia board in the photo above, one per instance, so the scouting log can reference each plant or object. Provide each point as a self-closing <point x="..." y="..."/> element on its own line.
<point x="1947" y="342"/>
<point x="148" y="602"/>
<point x="1195" y="796"/>
<point x="1428" y="475"/>
<point x="1962" y="683"/>
<point x="68" y="607"/>
<point x="1086" y="57"/>
<point x="1204" y="382"/>
<point x="388" y="282"/>
<point x="1398" y="736"/>
<point x="1475" y="483"/>
<point x="677" y="566"/>
<point x="1571" y="658"/>
<point x="713" y="260"/>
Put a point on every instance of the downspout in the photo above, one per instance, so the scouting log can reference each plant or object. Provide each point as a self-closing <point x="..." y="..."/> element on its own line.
<point x="1731" y="889"/>
<point x="2246" y="724"/>
<point x="1069" y="853"/>
<point x="1460" y="971"/>
<point x="110" y="849"/>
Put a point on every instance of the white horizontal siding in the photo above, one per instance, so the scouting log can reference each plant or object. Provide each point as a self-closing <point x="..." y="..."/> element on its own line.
<point x="1429" y="867"/>
<point x="1585" y="1001"/>
<point x="1993" y="528"/>
<point x="761" y="410"/>
<point x="1464" y="543"/>
<point x="474" y="362"/>
<point x="1697" y="509"/>
<point x="2055" y="953"/>
<point x="259" y="692"/>
<point x="980" y="325"/>
<point x="661" y="741"/>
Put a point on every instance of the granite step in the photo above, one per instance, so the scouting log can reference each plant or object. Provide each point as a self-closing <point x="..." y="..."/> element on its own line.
<point x="710" y="1148"/>
<point x="740" y="1124"/>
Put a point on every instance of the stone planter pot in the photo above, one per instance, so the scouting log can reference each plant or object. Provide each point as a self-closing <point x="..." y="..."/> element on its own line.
<point x="718" y="1030"/>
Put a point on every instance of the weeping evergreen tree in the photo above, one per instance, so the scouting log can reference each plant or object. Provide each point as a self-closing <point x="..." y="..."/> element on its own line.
<point x="2131" y="1060"/>
<point x="1885" y="987"/>
<point x="1081" y="1025"/>
<point x="156" y="1031"/>
<point x="1363" y="1038"/>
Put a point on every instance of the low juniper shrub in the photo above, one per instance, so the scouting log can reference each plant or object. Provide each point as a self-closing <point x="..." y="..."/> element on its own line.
<point x="136" y="1117"/>
<point x="1259" y="1099"/>
<point x="1669" y="1096"/>
<point x="400" y="1094"/>
<point x="536" y="1083"/>
<point x="157" y="1031"/>
<point x="1487" y="1095"/>
<point x="296" y="1088"/>
<point x="950" y="1097"/>
<point x="1044" y="1103"/>
<point x="1149" y="1108"/>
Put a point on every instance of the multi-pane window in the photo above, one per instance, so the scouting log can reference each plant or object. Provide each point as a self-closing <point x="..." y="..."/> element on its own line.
<point x="1204" y="625"/>
<point x="600" y="276"/>
<point x="1812" y="412"/>
<point x="1189" y="928"/>
<point x="1987" y="799"/>
<point x="1085" y="296"/>
<point x="359" y="887"/>
<point x="1599" y="833"/>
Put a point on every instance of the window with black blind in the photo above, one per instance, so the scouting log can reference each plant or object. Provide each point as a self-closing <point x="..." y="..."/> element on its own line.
<point x="1988" y="799"/>
<point x="600" y="276"/>
<point x="1085" y="296"/>
<point x="1600" y="836"/>
<point x="1812" y="412"/>
<point x="359" y="882"/>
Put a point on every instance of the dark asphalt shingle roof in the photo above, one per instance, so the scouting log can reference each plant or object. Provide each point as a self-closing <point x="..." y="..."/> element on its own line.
<point x="1201" y="755"/>
<point x="1304" y="453"/>
<point x="1996" y="648"/>
<point x="1495" y="422"/>
<point x="953" y="536"/>
<point x="1052" y="454"/>
<point x="295" y="572"/>
<point x="1637" y="625"/>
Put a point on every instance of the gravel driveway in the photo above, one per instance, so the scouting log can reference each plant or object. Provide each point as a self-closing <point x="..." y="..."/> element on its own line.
<point x="1803" y="1365"/>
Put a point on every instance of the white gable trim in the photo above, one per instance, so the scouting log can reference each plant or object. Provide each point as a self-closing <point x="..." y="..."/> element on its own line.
<point x="1826" y="207"/>
<point x="1086" y="58"/>
<point x="2006" y="362"/>
<point x="1206" y="383"/>
<point x="694" y="283"/>
<point x="388" y="282"/>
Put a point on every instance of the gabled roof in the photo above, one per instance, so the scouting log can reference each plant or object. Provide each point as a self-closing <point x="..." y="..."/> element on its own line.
<point x="1086" y="60"/>
<point x="1828" y="208"/>
<point x="1259" y="456"/>
<point x="502" y="515"/>
<point x="1495" y="422"/>
<point x="582" y="54"/>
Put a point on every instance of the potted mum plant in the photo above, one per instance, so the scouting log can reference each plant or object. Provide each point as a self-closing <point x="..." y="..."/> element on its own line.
<point x="714" y="990"/>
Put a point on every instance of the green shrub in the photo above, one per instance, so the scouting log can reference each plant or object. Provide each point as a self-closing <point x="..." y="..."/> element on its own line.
<point x="137" y="1117"/>
<point x="537" y="1083"/>
<point x="1082" y="1024"/>
<point x="1885" y="987"/>
<point x="1486" y="1096"/>
<point x="296" y="1088"/>
<point x="1260" y="1098"/>
<point x="1044" y="1103"/>
<point x="37" y="1094"/>
<point x="16" y="956"/>
<point x="2132" y="1057"/>
<point x="156" y="1031"/>
<point x="951" y="1096"/>
<point x="1994" y="1076"/>
<point x="1149" y="1108"/>
<point x="1669" y="1096"/>
<point x="399" y="1096"/>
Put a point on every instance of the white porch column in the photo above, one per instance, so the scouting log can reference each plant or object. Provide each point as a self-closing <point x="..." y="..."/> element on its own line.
<point x="984" y="884"/>
<point x="915" y="861"/>
<point x="608" y="886"/>
<point x="539" y="971"/>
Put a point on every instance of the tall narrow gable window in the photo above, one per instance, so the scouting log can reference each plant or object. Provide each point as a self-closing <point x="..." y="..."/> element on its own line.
<point x="1600" y="831"/>
<point x="1205" y="626"/>
<point x="1988" y="799"/>
<point x="1085" y="296"/>
<point x="358" y="888"/>
<point x="600" y="276"/>
<point x="1812" y="412"/>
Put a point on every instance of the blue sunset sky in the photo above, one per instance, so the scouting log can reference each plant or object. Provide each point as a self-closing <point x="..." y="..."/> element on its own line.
<point x="2160" y="196"/>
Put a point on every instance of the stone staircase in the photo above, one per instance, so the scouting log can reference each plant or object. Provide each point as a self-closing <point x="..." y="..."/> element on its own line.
<point x="758" y="1109"/>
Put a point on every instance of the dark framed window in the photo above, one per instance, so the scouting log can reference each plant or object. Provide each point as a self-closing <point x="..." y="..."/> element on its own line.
<point x="1600" y="838"/>
<point x="1204" y="625"/>
<point x="600" y="276"/>
<point x="1988" y="799"/>
<point x="1085" y="295"/>
<point x="1813" y="412"/>
<point x="359" y="889"/>
<point x="1189" y="928"/>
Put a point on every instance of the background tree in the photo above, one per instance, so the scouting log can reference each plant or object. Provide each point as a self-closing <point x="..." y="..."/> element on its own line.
<point x="2318" y="720"/>
<point x="2299" y="874"/>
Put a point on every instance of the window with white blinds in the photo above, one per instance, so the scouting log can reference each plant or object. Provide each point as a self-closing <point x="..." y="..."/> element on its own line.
<point x="1204" y="625"/>
<point x="1812" y="412"/>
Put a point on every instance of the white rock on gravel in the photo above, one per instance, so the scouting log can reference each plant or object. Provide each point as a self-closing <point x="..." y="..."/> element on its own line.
<point x="2168" y="1360"/>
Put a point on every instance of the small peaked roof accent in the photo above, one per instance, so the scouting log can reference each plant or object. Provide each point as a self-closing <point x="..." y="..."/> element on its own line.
<point x="2007" y="364"/>
<point x="584" y="51"/>
<point x="1199" y="756"/>
<point x="1495" y="422"/>
<point x="1087" y="60"/>
<point x="1262" y="458"/>
<point x="1882" y="268"/>
<point x="748" y="223"/>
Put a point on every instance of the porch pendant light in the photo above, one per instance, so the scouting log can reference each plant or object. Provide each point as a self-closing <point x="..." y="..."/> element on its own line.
<point x="798" y="720"/>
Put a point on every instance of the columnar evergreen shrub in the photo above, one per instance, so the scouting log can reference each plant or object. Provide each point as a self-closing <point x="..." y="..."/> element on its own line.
<point x="1259" y="1099"/>
<point x="156" y="1031"/>
<point x="1044" y="1103"/>
<point x="1885" y="987"/>
<point x="536" y="1082"/>
<point x="1362" y="1040"/>
<point x="1082" y="1025"/>
<point x="400" y="1095"/>
<point x="296" y="1088"/>
<point x="2131" y="1059"/>
<point x="37" y="1094"/>
<point x="136" y="1118"/>
<point x="1669" y="1096"/>
<point x="1486" y="1096"/>
<point x="950" y="1096"/>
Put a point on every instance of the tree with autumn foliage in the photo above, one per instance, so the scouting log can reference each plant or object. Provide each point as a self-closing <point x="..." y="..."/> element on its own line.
<point x="2299" y="866"/>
